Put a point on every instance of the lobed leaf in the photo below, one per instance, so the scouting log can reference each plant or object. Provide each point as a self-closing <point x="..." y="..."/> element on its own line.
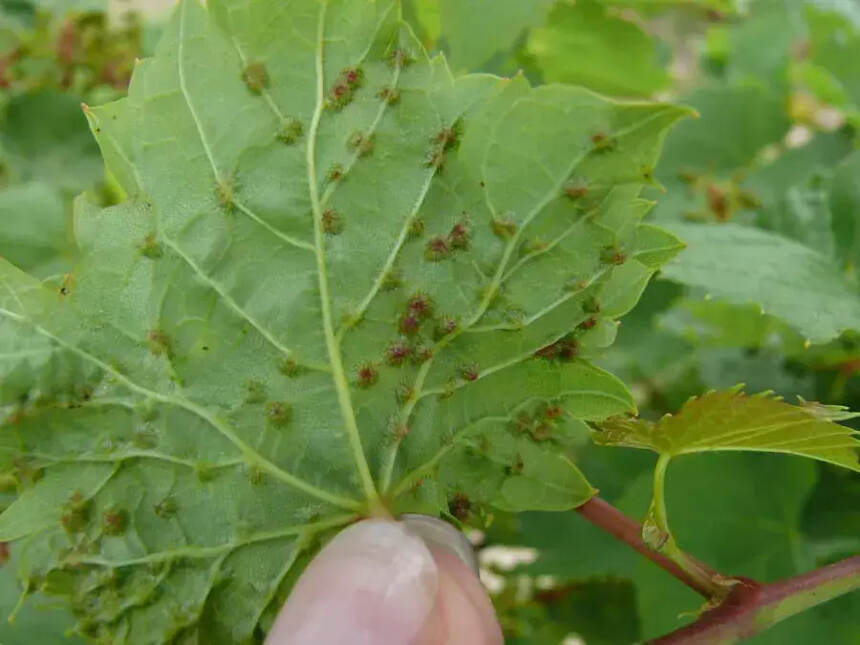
<point x="343" y="280"/>
<point x="732" y="420"/>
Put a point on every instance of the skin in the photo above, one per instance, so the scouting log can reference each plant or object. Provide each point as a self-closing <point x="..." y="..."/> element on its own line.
<point x="378" y="583"/>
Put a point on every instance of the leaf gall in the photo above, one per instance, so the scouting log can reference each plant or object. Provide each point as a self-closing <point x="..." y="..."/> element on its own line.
<point x="278" y="413"/>
<point x="366" y="375"/>
<point x="437" y="249"/>
<point x="256" y="77"/>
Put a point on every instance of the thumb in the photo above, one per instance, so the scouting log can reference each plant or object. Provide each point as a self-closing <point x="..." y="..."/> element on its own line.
<point x="377" y="582"/>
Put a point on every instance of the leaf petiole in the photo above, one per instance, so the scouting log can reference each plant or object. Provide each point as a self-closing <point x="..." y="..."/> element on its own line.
<point x="657" y="535"/>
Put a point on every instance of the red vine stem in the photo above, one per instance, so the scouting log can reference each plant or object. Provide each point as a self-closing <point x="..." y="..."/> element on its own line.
<point x="749" y="607"/>
<point x="605" y="516"/>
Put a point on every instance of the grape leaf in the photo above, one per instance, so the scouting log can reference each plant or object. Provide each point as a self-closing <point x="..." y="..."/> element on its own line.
<point x="787" y="280"/>
<point x="579" y="44"/>
<point x="340" y="273"/>
<point x="732" y="420"/>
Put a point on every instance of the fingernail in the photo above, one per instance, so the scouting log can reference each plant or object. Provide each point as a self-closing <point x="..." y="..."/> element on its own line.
<point x="375" y="582"/>
<point x="437" y="533"/>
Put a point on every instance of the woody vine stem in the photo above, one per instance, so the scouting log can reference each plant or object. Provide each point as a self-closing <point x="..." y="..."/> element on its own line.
<point x="736" y="607"/>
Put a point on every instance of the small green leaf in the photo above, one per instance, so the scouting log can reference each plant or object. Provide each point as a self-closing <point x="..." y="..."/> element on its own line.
<point x="732" y="420"/>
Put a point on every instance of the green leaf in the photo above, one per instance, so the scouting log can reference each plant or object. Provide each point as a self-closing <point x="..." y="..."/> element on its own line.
<point x="790" y="195"/>
<point x="734" y="124"/>
<point x="580" y="44"/>
<point x="832" y="517"/>
<point x="719" y="324"/>
<point x="731" y="420"/>
<point x="44" y="136"/>
<point x="36" y="242"/>
<point x="342" y="278"/>
<point x="782" y="25"/>
<point x="601" y="611"/>
<point x="787" y="280"/>
<point x="835" y="46"/>
<point x="478" y="29"/>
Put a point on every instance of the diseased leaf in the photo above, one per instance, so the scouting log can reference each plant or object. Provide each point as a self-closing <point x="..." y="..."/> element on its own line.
<point x="579" y="44"/>
<point x="732" y="420"/>
<point x="787" y="280"/>
<point x="342" y="280"/>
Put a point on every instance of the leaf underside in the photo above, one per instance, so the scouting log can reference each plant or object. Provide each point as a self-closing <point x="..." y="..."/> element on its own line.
<point x="341" y="276"/>
<point x="733" y="420"/>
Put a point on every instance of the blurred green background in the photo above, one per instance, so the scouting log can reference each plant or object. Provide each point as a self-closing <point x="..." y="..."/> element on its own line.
<point x="774" y="150"/>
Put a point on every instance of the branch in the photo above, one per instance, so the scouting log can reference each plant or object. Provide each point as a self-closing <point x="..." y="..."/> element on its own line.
<point x="751" y="607"/>
<point x="605" y="516"/>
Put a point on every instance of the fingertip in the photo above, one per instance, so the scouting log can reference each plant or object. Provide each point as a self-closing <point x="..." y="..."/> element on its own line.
<point x="375" y="582"/>
<point x="463" y="614"/>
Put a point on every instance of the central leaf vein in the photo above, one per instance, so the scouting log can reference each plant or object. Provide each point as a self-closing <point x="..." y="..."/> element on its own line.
<point x="332" y="344"/>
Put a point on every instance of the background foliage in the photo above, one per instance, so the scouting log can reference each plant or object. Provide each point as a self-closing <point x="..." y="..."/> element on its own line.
<point x="766" y="182"/>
